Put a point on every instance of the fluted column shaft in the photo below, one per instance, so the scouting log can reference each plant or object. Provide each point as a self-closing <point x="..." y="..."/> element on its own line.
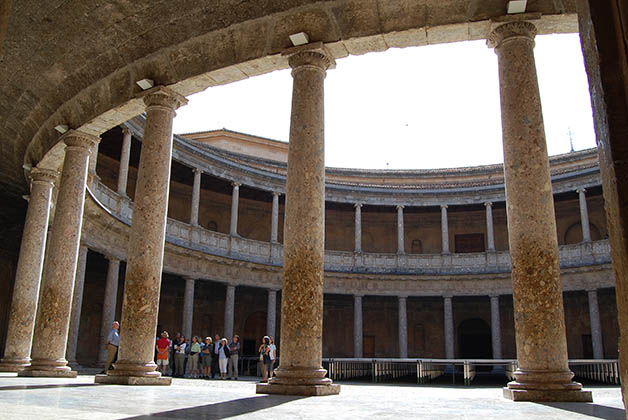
<point x="357" y="326"/>
<point x="188" y="308"/>
<point x="274" y="219"/>
<point x="537" y="289"/>
<point x="271" y="313"/>
<point x="109" y="305"/>
<point x="53" y="316"/>
<point x="449" y="327"/>
<point x="146" y="245"/>
<point x="77" y="304"/>
<point x="125" y="154"/>
<point x="584" y="215"/>
<point x="444" y="229"/>
<point x="400" y="231"/>
<point x="229" y="311"/>
<point x="496" y="331"/>
<point x="235" y="199"/>
<point x="403" y="327"/>
<point x="358" y="227"/>
<point x="28" y="273"/>
<point x="300" y="370"/>
<point x="596" y="326"/>
<point x="489" y="226"/>
<point x="196" y="198"/>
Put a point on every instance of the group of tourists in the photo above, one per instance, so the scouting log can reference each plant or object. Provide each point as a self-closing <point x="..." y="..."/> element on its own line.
<point x="206" y="357"/>
<point x="268" y="356"/>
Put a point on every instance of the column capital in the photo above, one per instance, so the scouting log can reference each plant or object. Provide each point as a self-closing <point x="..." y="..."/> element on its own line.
<point x="44" y="175"/>
<point x="581" y="190"/>
<point x="357" y="205"/>
<point x="448" y="296"/>
<point x="186" y="278"/>
<point x="162" y="96"/>
<point x="509" y="31"/>
<point x="591" y="290"/>
<point x="236" y="184"/>
<point x="444" y="206"/>
<point x="276" y="193"/>
<point x="231" y="285"/>
<point x="494" y="295"/>
<point x="313" y="55"/>
<point x="112" y="259"/>
<point x="273" y="289"/>
<point x="402" y="297"/>
<point x="126" y="130"/>
<point x="197" y="170"/>
<point x="74" y="138"/>
<point x="400" y="206"/>
<point x="488" y="204"/>
<point x="358" y="295"/>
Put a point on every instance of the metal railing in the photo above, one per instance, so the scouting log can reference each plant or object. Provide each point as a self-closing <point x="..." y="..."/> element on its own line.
<point x="379" y="370"/>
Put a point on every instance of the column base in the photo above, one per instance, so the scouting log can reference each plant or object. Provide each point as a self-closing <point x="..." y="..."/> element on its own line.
<point x="132" y="380"/>
<point x="55" y="373"/>
<point x="14" y="365"/>
<point x="549" y="395"/>
<point x="305" y="390"/>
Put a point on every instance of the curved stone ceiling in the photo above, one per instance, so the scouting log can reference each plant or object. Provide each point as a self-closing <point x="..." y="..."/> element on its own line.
<point x="75" y="62"/>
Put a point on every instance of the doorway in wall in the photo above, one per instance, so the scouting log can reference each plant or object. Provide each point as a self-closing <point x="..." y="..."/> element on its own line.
<point x="474" y="339"/>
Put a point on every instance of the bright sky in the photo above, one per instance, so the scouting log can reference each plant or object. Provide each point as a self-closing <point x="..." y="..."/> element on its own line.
<point x="414" y="108"/>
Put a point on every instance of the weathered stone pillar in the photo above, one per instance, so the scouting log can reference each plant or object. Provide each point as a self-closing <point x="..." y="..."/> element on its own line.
<point x="50" y="336"/>
<point x="357" y="326"/>
<point x="496" y="331"/>
<point x="125" y="153"/>
<point x="271" y="313"/>
<point x="188" y="308"/>
<point x="403" y="327"/>
<point x="93" y="160"/>
<point x="108" y="306"/>
<point x="235" y="198"/>
<point x="449" y="327"/>
<point x="196" y="197"/>
<point x="358" y="227"/>
<point x="274" y="221"/>
<point x="229" y="311"/>
<point x="584" y="215"/>
<point x="28" y="273"/>
<point x="489" y="226"/>
<point x="596" y="326"/>
<point x="77" y="304"/>
<point x="142" y="284"/>
<point x="543" y="373"/>
<point x="444" y="228"/>
<point x="400" y="230"/>
<point x="300" y="371"/>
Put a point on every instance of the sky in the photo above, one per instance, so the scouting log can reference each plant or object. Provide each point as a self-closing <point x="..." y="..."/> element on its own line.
<point x="427" y="107"/>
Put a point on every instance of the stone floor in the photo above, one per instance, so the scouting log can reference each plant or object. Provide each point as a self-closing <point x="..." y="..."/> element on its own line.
<point x="80" y="398"/>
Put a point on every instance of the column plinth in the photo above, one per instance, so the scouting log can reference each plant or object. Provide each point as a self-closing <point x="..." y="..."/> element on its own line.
<point x="300" y="371"/>
<point x="28" y="274"/>
<point x="543" y="373"/>
<point x="53" y="315"/>
<point x="140" y="306"/>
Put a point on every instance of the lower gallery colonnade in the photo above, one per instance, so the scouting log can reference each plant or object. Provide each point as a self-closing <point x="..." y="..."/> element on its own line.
<point x="43" y="345"/>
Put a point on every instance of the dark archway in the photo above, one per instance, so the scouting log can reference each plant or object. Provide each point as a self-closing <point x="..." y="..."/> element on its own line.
<point x="474" y="339"/>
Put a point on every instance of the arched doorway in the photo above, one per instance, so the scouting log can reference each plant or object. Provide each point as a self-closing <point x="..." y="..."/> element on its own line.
<point x="474" y="339"/>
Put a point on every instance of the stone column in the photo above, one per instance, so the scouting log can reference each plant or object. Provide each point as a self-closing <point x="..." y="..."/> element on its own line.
<point x="584" y="215"/>
<point x="274" y="221"/>
<point x="300" y="371"/>
<point x="125" y="153"/>
<point x="496" y="331"/>
<point x="77" y="304"/>
<point x="403" y="328"/>
<point x="50" y="336"/>
<point x="28" y="273"/>
<point x="196" y="197"/>
<point x="229" y="311"/>
<point x="108" y="306"/>
<point x="400" y="230"/>
<point x="142" y="284"/>
<point x="235" y="198"/>
<point x="188" y="308"/>
<point x="543" y="373"/>
<point x="449" y="328"/>
<point x="357" y="326"/>
<point x="444" y="228"/>
<point x="358" y="227"/>
<point x="271" y="313"/>
<point x="489" y="226"/>
<point x="596" y="327"/>
<point x="93" y="160"/>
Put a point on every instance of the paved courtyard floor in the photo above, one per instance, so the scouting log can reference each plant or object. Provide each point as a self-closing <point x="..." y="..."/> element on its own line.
<point x="80" y="398"/>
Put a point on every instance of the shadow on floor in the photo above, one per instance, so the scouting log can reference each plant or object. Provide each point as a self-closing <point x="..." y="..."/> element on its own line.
<point x="592" y="410"/>
<point x="225" y="409"/>
<point x="47" y="386"/>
